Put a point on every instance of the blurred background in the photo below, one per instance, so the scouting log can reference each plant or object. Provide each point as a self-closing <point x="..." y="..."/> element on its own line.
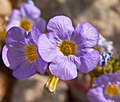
<point x="103" y="14"/>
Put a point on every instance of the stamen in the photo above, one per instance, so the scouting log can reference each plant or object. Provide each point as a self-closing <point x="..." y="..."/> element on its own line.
<point x="31" y="53"/>
<point x="51" y="84"/>
<point x="67" y="48"/>
<point x="26" y="24"/>
<point x="112" y="90"/>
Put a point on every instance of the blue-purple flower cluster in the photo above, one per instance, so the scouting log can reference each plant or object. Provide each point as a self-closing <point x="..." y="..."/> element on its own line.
<point x="31" y="48"/>
<point x="67" y="49"/>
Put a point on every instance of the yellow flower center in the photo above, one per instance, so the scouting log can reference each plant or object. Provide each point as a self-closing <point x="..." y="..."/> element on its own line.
<point x="26" y="24"/>
<point x="51" y="84"/>
<point x="67" y="48"/>
<point x="31" y="53"/>
<point x="112" y="90"/>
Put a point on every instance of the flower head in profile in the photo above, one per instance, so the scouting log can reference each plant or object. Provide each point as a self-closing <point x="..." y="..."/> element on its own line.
<point x="107" y="89"/>
<point x="69" y="49"/>
<point x="21" y="53"/>
<point x="27" y="16"/>
<point x="104" y="58"/>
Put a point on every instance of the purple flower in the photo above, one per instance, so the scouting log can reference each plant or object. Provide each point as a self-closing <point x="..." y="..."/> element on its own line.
<point x="107" y="89"/>
<point x="21" y="53"/>
<point x="27" y="16"/>
<point x="67" y="48"/>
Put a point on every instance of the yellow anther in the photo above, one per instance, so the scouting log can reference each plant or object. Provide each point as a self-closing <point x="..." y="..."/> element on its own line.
<point x="51" y="84"/>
